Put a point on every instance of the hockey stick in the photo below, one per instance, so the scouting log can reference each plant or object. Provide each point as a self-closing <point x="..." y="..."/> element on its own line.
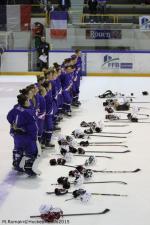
<point x="111" y="171"/>
<point x="109" y="151"/>
<point x="140" y="102"/>
<point x="116" y="125"/>
<point x="108" y="145"/>
<point x="94" y="135"/>
<point x="101" y="182"/>
<point x="106" y="182"/>
<point x="114" y="97"/>
<point x="87" y="143"/>
<point x="108" y="171"/>
<point x="129" y="132"/>
<point x="140" y="114"/>
<point x="83" y="155"/>
<point x="116" y="195"/>
<point x="79" y="214"/>
<point x="88" y="214"/>
<point x="50" y="193"/>
<point x="127" y="121"/>
<point x="97" y="156"/>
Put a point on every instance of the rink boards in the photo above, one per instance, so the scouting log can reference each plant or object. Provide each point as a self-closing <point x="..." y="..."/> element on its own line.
<point x="95" y="63"/>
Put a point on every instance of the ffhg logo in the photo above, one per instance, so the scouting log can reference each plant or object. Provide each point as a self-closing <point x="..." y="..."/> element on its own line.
<point x="110" y="62"/>
<point x="114" y="63"/>
<point x="144" y="22"/>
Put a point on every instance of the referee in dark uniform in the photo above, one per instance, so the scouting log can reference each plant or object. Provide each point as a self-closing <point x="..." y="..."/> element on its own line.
<point x="43" y="52"/>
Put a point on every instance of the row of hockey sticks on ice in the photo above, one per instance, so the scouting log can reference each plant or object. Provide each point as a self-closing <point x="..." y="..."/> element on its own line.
<point x="140" y="114"/>
<point x="110" y="94"/>
<point x="68" y="140"/>
<point x="82" y="152"/>
<point x="88" y="124"/>
<point x="133" y="110"/>
<point x="71" y="155"/>
<point x="81" y="169"/>
<point x="68" y="158"/>
<point x="68" y="155"/>
<point x="81" y="194"/>
<point x="82" y="180"/>
<point x="119" y="106"/>
<point x="81" y="177"/>
<point x="78" y="133"/>
<point x="132" y="114"/>
<point x="122" y="100"/>
<point x="87" y="143"/>
<point x="96" y="128"/>
<point x="132" y="119"/>
<point x="51" y="214"/>
<point x="109" y="152"/>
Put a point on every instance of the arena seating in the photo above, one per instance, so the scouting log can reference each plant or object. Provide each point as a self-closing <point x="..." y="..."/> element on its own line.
<point x="123" y="2"/>
<point x="126" y="11"/>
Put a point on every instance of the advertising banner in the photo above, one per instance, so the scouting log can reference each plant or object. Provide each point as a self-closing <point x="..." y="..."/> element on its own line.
<point x="118" y="62"/>
<point x="103" y="34"/>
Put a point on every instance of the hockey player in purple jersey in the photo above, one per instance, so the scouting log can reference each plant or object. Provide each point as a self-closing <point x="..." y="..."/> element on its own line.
<point x="59" y="92"/>
<point x="24" y="131"/>
<point x="48" y="123"/>
<point x="76" y="80"/>
<point x="66" y="82"/>
<point x="41" y="113"/>
<point x="50" y="77"/>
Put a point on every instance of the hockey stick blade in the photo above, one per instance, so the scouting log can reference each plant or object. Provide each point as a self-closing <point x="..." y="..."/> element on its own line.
<point x="137" y="170"/>
<point x="88" y="214"/>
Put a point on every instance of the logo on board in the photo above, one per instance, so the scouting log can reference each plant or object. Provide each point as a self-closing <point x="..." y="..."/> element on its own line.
<point x="110" y="62"/>
<point x="144" y="23"/>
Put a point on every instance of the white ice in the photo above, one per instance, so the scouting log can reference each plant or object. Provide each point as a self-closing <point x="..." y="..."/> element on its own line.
<point x="21" y="197"/>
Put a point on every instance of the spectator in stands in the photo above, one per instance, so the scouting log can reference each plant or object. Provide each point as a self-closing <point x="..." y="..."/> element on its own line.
<point x="43" y="51"/>
<point x="92" y="6"/>
<point x="64" y="4"/>
<point x="37" y="30"/>
<point x="146" y="1"/>
<point x="102" y="6"/>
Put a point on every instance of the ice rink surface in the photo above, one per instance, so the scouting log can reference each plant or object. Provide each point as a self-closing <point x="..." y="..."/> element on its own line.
<point x="21" y="196"/>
